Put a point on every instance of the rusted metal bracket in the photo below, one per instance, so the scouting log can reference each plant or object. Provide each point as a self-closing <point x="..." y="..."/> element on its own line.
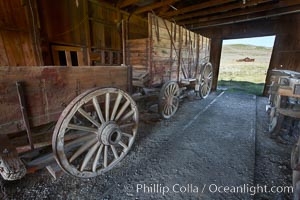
<point x="22" y="102"/>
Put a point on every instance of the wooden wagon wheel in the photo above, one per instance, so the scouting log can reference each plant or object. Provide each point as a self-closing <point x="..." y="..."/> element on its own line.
<point x="276" y="121"/>
<point x="104" y="123"/>
<point x="205" y="80"/>
<point x="169" y="99"/>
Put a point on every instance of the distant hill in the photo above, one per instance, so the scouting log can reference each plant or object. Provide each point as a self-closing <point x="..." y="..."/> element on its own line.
<point x="233" y="52"/>
<point x="254" y="72"/>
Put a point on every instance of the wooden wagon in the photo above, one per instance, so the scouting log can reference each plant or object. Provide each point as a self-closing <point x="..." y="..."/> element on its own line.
<point x="284" y="93"/>
<point x="78" y="111"/>
<point x="94" y="129"/>
<point x="171" y="59"/>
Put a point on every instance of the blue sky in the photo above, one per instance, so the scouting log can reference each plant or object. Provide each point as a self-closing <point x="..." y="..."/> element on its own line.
<point x="267" y="41"/>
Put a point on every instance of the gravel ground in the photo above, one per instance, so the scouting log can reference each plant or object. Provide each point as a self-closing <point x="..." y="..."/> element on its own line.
<point x="219" y="141"/>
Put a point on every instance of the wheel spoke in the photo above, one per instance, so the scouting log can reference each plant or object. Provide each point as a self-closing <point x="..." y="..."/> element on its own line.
<point x="82" y="149"/>
<point x="165" y="109"/>
<point x="127" y="135"/>
<point x="88" y="117"/>
<point x="107" y="101"/>
<point x="78" y="141"/>
<point x="114" y="151"/>
<point x="127" y="125"/>
<point x="82" y="128"/>
<point x="89" y="155"/>
<point x="105" y="157"/>
<point x="116" y="106"/>
<point x="98" y="109"/>
<point x="124" y="107"/>
<point x="123" y="145"/>
<point x="129" y="114"/>
<point x="170" y="108"/>
<point x="97" y="158"/>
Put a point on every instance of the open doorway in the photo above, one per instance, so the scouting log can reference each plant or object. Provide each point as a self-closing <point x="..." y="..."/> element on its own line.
<point x="244" y="64"/>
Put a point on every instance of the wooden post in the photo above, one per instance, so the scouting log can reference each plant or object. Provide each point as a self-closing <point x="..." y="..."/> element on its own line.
<point x="24" y="112"/>
<point x="150" y="44"/>
<point x="124" y="41"/>
<point x="87" y="32"/>
<point x="215" y="56"/>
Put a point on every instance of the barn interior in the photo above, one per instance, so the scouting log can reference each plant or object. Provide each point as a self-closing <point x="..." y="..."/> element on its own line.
<point x="134" y="44"/>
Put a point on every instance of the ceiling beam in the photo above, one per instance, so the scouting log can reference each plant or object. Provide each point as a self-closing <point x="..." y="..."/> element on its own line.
<point x="247" y="18"/>
<point x="153" y="6"/>
<point x="221" y="9"/>
<point x="196" y="7"/>
<point x="125" y="3"/>
<point x="267" y="7"/>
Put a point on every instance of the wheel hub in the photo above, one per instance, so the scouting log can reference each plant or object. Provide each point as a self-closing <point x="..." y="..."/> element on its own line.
<point x="109" y="133"/>
<point x="170" y="100"/>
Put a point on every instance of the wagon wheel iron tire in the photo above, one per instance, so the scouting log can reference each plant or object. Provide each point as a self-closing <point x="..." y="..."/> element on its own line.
<point x="205" y="80"/>
<point x="103" y="135"/>
<point x="169" y="99"/>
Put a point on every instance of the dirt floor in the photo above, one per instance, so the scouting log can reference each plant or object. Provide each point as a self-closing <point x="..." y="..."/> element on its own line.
<point x="217" y="142"/>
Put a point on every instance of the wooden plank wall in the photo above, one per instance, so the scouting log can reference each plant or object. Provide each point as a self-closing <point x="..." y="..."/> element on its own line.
<point x="48" y="90"/>
<point x="170" y="52"/>
<point x="90" y="24"/>
<point x="175" y="49"/>
<point x="16" y="43"/>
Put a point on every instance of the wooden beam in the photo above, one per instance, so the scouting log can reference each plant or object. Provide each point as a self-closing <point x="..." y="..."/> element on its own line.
<point x="154" y="6"/>
<point x="125" y="3"/>
<point x="215" y="57"/>
<point x="250" y="17"/>
<point x="221" y="9"/>
<point x="196" y="7"/>
<point x="246" y="11"/>
<point x="163" y="10"/>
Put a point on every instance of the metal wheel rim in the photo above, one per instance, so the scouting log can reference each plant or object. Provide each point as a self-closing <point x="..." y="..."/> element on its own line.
<point x="206" y="76"/>
<point x="169" y="101"/>
<point x="96" y="153"/>
<point x="273" y="120"/>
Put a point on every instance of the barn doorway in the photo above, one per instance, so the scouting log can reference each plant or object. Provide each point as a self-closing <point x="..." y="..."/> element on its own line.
<point x="244" y="64"/>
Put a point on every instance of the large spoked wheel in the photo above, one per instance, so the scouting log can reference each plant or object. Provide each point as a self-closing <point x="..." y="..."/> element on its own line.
<point x="205" y="80"/>
<point x="169" y="99"/>
<point x="95" y="132"/>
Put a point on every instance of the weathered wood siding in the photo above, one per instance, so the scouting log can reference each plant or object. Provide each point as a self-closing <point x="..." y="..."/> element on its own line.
<point x="16" y="37"/>
<point x="170" y="52"/>
<point x="92" y="25"/>
<point x="48" y="90"/>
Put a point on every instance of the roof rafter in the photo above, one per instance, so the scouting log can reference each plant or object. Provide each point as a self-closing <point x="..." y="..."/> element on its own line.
<point x="125" y="3"/>
<point x="196" y="7"/>
<point x="267" y="7"/>
<point x="249" y="17"/>
<point x="221" y="9"/>
<point x="153" y="6"/>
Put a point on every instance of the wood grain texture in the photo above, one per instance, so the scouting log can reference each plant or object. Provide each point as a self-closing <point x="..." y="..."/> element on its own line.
<point x="49" y="89"/>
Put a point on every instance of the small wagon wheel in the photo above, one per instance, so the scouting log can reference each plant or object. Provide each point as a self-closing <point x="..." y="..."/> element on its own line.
<point x="205" y="80"/>
<point x="276" y="119"/>
<point x="169" y="99"/>
<point x="103" y="124"/>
